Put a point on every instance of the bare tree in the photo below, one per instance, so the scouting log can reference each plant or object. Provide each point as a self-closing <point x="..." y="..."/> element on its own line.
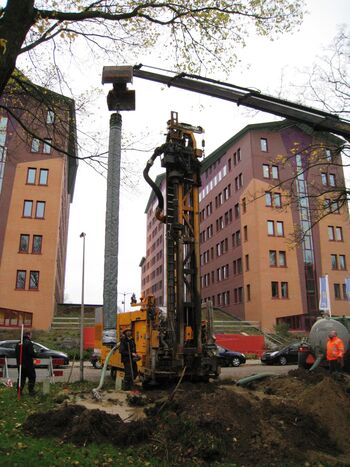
<point x="39" y="35"/>
<point x="328" y="81"/>
<point x="197" y="33"/>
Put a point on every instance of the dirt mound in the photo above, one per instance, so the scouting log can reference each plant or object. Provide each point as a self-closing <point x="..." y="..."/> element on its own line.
<point x="78" y="425"/>
<point x="207" y="423"/>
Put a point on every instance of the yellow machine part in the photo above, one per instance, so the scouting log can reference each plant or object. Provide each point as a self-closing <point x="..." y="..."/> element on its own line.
<point x="188" y="333"/>
<point x="136" y="321"/>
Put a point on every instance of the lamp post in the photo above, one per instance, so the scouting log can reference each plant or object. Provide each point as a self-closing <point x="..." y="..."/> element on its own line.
<point x="82" y="235"/>
<point x="124" y="295"/>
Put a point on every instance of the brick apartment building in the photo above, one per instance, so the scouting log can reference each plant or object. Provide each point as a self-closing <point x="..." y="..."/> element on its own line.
<point x="36" y="188"/>
<point x="250" y="265"/>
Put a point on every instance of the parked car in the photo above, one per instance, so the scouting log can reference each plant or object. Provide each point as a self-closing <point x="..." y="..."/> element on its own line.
<point x="228" y="357"/>
<point x="7" y="349"/>
<point x="288" y="354"/>
<point x="95" y="360"/>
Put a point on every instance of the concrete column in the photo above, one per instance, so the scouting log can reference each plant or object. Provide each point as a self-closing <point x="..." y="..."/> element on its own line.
<point x="110" y="285"/>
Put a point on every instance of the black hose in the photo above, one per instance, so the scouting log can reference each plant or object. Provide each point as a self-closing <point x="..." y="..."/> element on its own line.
<point x="153" y="185"/>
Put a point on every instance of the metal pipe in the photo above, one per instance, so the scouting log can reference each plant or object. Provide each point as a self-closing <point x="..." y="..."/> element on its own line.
<point x="82" y="235"/>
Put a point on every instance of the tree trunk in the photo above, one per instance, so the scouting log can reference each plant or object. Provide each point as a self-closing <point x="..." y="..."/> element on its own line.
<point x="17" y="19"/>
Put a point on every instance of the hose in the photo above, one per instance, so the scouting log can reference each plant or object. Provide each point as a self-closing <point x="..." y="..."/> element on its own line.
<point x="316" y="363"/>
<point x="160" y="208"/>
<point x="249" y="379"/>
<point x="96" y="391"/>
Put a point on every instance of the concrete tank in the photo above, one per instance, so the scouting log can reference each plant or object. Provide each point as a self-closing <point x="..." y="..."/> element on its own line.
<point x="319" y="334"/>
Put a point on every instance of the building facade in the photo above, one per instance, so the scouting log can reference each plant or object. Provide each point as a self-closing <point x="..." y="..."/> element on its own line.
<point x="37" y="176"/>
<point x="265" y="236"/>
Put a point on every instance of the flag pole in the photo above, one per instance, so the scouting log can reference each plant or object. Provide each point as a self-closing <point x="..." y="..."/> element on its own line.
<point x="20" y="365"/>
<point x="329" y="297"/>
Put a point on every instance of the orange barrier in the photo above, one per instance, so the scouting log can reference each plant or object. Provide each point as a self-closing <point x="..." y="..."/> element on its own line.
<point x="89" y="338"/>
<point x="244" y="344"/>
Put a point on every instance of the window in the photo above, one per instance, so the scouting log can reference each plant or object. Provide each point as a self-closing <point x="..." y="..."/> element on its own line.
<point x="266" y="171"/>
<point x="238" y="155"/>
<point x="50" y="117"/>
<point x="331" y="233"/>
<point x="245" y="233"/>
<point x="21" y="280"/>
<point x="272" y="258"/>
<point x="34" y="280"/>
<point x="40" y="209"/>
<point x="37" y="244"/>
<point x="247" y="262"/>
<point x="239" y="266"/>
<point x="35" y="145"/>
<point x="270" y="228"/>
<point x="274" y="172"/>
<point x="342" y="263"/>
<point x="279" y="229"/>
<point x="282" y="259"/>
<point x="238" y="237"/>
<point x="335" y="207"/>
<point x="334" y="262"/>
<point x="270" y="172"/>
<point x="248" y="292"/>
<point x="244" y="205"/>
<point x="339" y="234"/>
<point x="337" y="291"/>
<point x="268" y="199"/>
<point x="284" y="289"/>
<point x="236" y="210"/>
<point x="328" y="179"/>
<point x="240" y="294"/>
<point x="24" y="243"/>
<point x="47" y="146"/>
<point x="328" y="155"/>
<point x="263" y="144"/>
<point x="274" y="289"/>
<point x="31" y="176"/>
<point x="331" y="179"/>
<point x="277" y="199"/>
<point x="273" y="199"/>
<point x="43" y="176"/>
<point x="226" y="297"/>
<point x="345" y="297"/>
<point x="27" y="208"/>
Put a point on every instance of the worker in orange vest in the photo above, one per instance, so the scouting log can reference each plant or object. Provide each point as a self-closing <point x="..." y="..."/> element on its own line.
<point x="335" y="351"/>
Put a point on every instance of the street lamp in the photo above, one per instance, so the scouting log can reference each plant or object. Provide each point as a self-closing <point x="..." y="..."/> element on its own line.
<point x="82" y="235"/>
<point x="124" y="295"/>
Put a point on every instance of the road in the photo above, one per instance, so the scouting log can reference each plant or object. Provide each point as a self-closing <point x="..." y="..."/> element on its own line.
<point x="92" y="374"/>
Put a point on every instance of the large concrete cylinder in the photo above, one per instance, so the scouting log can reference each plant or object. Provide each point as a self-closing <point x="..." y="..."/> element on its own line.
<point x="318" y="336"/>
<point x="110" y="285"/>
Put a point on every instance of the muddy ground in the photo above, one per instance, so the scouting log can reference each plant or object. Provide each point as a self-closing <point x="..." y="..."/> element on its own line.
<point x="299" y="419"/>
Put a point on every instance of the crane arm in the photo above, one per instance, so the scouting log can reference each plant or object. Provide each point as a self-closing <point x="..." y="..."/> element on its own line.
<point x="317" y="119"/>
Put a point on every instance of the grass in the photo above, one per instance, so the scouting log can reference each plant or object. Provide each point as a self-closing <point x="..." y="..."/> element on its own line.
<point x="18" y="449"/>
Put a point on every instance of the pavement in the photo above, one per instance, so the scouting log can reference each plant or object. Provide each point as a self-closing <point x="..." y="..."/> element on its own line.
<point x="93" y="374"/>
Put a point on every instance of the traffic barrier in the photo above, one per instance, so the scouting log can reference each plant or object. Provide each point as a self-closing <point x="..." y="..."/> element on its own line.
<point x="246" y="344"/>
<point x="3" y="367"/>
<point x="40" y="363"/>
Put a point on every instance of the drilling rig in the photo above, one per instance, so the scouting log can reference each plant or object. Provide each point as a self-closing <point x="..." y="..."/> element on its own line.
<point x="179" y="341"/>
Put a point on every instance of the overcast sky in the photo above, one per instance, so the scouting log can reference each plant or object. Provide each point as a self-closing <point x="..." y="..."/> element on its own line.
<point x="265" y="65"/>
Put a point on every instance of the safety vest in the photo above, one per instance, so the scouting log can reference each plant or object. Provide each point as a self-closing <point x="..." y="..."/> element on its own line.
<point x="335" y="348"/>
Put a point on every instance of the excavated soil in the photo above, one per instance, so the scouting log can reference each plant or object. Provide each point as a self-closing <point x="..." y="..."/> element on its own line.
<point x="286" y="420"/>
